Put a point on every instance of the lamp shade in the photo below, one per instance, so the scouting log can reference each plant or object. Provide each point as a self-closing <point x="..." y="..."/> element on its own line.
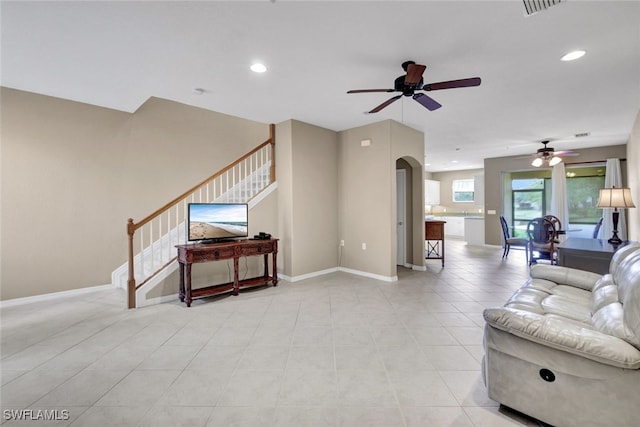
<point x="615" y="198"/>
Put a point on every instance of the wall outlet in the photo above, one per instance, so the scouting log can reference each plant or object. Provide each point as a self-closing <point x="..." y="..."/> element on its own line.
<point x="341" y="242"/>
<point x="364" y="246"/>
<point x="491" y="212"/>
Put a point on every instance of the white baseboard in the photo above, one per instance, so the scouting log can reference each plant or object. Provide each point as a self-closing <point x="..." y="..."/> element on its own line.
<point x="307" y="276"/>
<point x="370" y="275"/>
<point x="53" y="295"/>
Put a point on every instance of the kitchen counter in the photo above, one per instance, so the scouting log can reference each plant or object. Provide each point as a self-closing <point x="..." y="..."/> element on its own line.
<point x="455" y="226"/>
<point x="474" y="230"/>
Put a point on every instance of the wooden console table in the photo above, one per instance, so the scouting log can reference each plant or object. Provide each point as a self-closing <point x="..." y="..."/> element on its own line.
<point x="207" y="252"/>
<point x="434" y="236"/>
<point x="587" y="254"/>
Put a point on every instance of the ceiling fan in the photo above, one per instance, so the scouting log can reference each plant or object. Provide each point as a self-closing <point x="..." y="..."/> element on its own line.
<point x="412" y="81"/>
<point x="547" y="155"/>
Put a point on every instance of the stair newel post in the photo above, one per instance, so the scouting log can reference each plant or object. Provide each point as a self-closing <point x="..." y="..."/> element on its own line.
<point x="131" y="283"/>
<point x="272" y="141"/>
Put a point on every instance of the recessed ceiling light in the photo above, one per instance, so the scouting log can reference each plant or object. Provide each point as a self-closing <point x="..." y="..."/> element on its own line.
<point x="258" y="68"/>
<point x="573" y="55"/>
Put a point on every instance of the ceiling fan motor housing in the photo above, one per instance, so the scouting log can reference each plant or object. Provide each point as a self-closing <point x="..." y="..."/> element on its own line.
<point x="407" y="89"/>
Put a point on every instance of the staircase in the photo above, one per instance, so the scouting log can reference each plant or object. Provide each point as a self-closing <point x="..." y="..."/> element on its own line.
<point x="152" y="241"/>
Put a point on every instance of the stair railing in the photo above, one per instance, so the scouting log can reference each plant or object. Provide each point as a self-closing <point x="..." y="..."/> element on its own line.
<point x="151" y="251"/>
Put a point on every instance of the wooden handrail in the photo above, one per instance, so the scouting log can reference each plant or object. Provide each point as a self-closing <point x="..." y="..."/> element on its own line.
<point x="211" y="178"/>
<point x="133" y="226"/>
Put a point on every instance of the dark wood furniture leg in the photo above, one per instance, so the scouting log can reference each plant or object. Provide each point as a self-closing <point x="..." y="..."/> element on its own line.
<point x="236" y="274"/>
<point x="275" y="268"/>
<point x="188" y="285"/>
<point x="181" y="292"/>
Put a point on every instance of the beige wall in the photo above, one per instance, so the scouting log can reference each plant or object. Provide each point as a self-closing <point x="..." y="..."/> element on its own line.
<point x="408" y="144"/>
<point x="446" y="192"/>
<point x="73" y="173"/>
<point x="307" y="168"/>
<point x="633" y="162"/>
<point x="494" y="169"/>
<point x="367" y="195"/>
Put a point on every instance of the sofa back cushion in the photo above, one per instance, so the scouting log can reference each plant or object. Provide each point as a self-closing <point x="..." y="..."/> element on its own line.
<point x="627" y="279"/>
<point x="615" y="301"/>
<point x="621" y="254"/>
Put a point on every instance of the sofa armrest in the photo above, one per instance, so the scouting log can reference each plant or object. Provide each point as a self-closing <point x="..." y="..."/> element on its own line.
<point x="565" y="276"/>
<point x="570" y="337"/>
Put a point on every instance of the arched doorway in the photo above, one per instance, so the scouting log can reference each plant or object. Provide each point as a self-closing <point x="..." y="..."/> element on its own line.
<point x="409" y="213"/>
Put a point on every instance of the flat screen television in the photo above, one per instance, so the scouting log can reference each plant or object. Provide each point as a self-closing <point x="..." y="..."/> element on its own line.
<point x="213" y="222"/>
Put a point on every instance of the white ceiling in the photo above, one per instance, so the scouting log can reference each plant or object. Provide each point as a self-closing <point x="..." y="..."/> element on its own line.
<point x="118" y="54"/>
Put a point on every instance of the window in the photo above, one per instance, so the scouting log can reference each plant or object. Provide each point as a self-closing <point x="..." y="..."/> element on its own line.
<point x="463" y="190"/>
<point x="529" y="201"/>
<point x="531" y="195"/>
<point x="582" y="197"/>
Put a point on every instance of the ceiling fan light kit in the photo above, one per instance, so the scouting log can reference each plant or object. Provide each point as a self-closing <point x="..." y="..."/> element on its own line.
<point x="554" y="161"/>
<point x="571" y="56"/>
<point x="412" y="81"/>
<point x="547" y="155"/>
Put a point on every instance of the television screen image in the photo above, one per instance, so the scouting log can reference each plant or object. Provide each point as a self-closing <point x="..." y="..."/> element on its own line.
<point x="217" y="221"/>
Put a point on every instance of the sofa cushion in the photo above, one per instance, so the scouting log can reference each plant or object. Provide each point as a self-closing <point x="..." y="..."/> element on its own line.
<point x="609" y="320"/>
<point x="560" y="275"/>
<point x="568" y="336"/>
<point x="627" y="278"/>
<point x="604" y="293"/>
<point x="546" y="297"/>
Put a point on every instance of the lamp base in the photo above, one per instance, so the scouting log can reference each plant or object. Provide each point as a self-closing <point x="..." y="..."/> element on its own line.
<point x="615" y="240"/>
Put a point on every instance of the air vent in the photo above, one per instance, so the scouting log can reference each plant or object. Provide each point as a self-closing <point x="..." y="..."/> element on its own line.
<point x="535" y="6"/>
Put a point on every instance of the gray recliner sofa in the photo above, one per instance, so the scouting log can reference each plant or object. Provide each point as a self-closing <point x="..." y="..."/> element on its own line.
<point x="565" y="348"/>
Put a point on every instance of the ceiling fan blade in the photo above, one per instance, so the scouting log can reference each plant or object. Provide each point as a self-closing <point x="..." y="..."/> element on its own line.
<point x="474" y="81"/>
<point x="414" y="74"/>
<point x="566" y="153"/>
<point x="426" y="101"/>
<point x="385" y="103"/>
<point x="370" y="90"/>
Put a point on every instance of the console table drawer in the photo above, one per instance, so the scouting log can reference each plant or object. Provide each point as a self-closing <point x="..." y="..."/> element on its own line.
<point x="258" y="248"/>
<point x="214" y="255"/>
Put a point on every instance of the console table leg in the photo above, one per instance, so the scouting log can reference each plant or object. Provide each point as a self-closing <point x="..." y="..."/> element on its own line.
<point x="181" y="291"/>
<point x="266" y="266"/>
<point x="188" y="285"/>
<point x="236" y="280"/>
<point x="275" y="268"/>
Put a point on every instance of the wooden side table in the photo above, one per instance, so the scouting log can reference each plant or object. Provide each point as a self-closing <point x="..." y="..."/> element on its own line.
<point x="587" y="254"/>
<point x="434" y="236"/>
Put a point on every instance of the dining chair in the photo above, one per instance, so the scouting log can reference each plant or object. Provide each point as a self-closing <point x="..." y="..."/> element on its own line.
<point x="555" y="221"/>
<point x="543" y="236"/>
<point x="512" y="241"/>
<point x="596" y="229"/>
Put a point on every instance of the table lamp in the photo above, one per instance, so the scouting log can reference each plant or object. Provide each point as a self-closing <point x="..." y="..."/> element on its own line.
<point x="615" y="198"/>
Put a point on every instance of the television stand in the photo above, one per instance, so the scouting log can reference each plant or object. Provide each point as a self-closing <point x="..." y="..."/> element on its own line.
<point x="207" y="252"/>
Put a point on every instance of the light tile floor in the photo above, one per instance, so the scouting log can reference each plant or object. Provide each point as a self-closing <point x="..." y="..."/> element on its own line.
<point x="337" y="350"/>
